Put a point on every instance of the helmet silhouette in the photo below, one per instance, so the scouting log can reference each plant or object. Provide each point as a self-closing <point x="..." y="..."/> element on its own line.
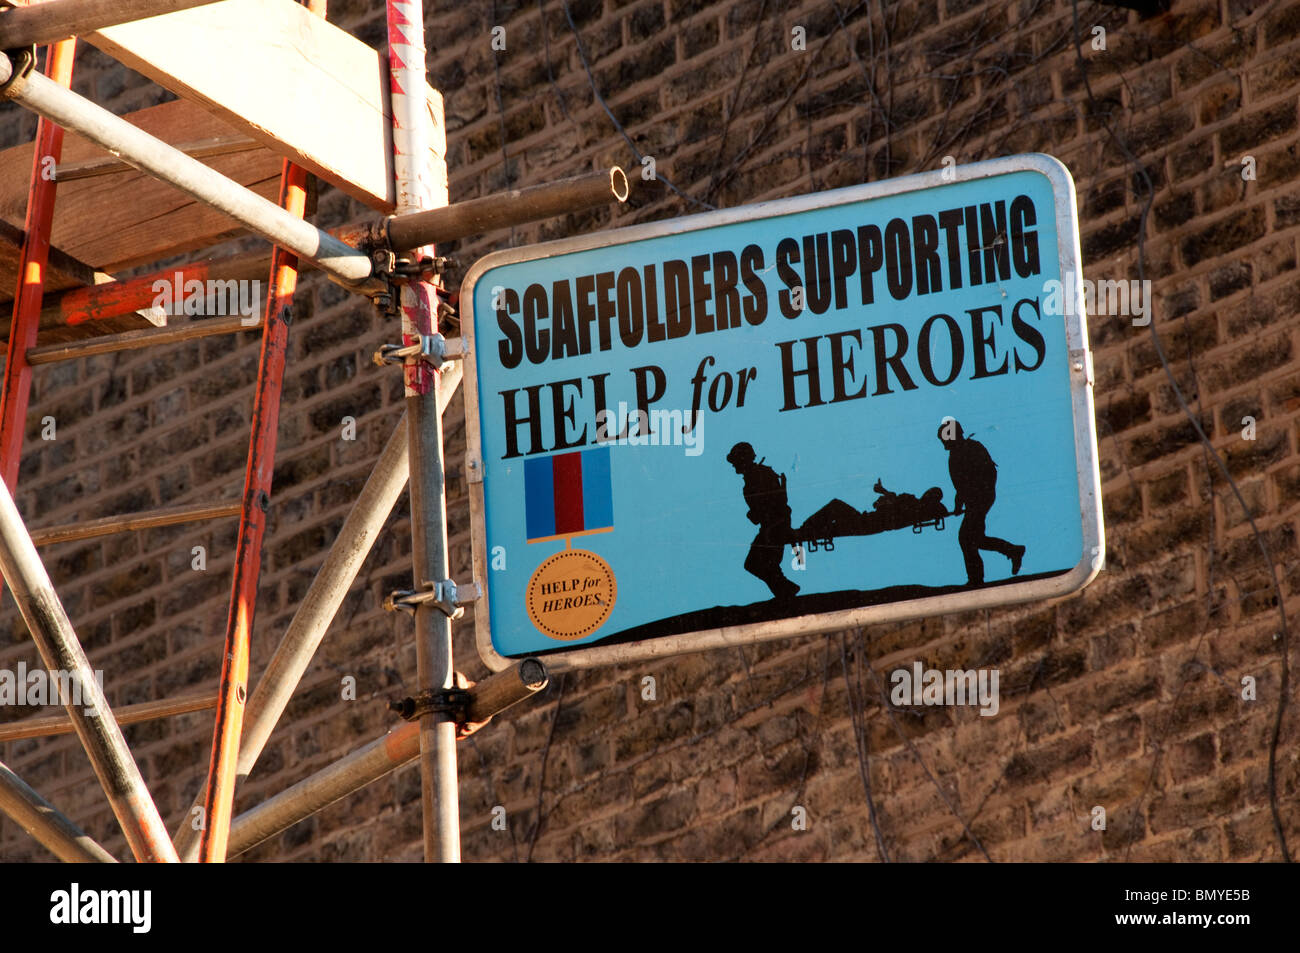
<point x="740" y="453"/>
<point x="949" y="431"/>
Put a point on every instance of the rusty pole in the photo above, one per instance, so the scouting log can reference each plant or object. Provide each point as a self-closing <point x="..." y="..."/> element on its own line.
<point x="95" y="725"/>
<point x="232" y="695"/>
<point x="400" y="746"/>
<point x="78" y="306"/>
<point x="46" y="823"/>
<point x="16" y="388"/>
<point x="506" y="209"/>
<point x="233" y="692"/>
<point x="126" y="715"/>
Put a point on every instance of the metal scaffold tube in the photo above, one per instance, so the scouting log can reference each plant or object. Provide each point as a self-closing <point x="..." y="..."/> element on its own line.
<point x="135" y="340"/>
<point x="348" y="774"/>
<point x="99" y="732"/>
<point x="370" y="763"/>
<point x="331" y="584"/>
<point x="108" y="525"/>
<point x="322" y="600"/>
<point x="343" y="263"/>
<point x="50" y="827"/>
<point x="504" y="209"/>
<point x="126" y="715"/>
<point x="420" y="183"/>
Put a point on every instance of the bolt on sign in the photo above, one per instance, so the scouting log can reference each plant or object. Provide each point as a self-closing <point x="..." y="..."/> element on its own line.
<point x="859" y="406"/>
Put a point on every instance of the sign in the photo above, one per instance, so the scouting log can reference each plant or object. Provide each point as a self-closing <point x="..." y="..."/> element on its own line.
<point x="859" y="406"/>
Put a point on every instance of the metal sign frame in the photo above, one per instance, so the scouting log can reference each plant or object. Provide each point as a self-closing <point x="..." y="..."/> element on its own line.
<point x="1081" y="384"/>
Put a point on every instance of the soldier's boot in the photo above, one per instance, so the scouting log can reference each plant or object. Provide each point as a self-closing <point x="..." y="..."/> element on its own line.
<point x="782" y="588"/>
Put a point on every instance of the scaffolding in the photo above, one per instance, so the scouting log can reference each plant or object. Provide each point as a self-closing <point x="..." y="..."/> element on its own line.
<point x="65" y="309"/>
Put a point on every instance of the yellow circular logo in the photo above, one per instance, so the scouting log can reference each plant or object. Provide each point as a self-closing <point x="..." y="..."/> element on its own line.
<point x="571" y="595"/>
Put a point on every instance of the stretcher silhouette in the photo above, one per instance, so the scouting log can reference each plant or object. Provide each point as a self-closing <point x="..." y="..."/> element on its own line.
<point x="891" y="511"/>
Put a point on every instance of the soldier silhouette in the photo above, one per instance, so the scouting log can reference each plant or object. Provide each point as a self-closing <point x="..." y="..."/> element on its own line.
<point x="974" y="478"/>
<point x="765" y="496"/>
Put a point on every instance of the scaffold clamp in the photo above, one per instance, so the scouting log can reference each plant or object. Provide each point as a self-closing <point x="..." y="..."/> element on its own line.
<point x="447" y="701"/>
<point x="444" y="595"/>
<point x="433" y="349"/>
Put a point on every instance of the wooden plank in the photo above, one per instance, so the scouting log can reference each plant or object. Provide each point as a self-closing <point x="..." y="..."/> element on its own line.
<point x="126" y="218"/>
<point x="202" y="149"/>
<point x="64" y="272"/>
<point x="274" y="71"/>
<point x="55" y="20"/>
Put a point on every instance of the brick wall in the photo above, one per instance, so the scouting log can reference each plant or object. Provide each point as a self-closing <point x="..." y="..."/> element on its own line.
<point x="1127" y="696"/>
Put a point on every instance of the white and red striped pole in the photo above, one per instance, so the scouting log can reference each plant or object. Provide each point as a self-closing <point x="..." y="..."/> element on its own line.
<point x="419" y="170"/>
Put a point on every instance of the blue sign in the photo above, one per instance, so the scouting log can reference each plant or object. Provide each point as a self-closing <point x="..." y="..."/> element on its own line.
<point x="857" y="406"/>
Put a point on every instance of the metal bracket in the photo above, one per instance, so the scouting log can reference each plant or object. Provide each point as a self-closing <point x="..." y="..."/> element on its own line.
<point x="396" y="271"/>
<point x="448" y="701"/>
<point x="24" y="61"/>
<point x="405" y="269"/>
<point x="411" y="269"/>
<point x="423" y="269"/>
<point x="445" y="595"/>
<point x="433" y="349"/>
<point x="386" y="301"/>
